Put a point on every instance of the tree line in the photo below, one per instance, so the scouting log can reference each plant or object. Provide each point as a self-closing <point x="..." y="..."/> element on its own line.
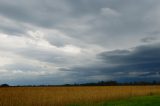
<point x="115" y="83"/>
<point x="100" y="83"/>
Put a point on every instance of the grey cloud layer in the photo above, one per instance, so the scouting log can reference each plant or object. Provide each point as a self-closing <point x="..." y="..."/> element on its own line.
<point x="44" y="38"/>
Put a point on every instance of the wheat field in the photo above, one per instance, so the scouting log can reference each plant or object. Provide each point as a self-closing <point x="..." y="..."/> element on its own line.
<point x="62" y="96"/>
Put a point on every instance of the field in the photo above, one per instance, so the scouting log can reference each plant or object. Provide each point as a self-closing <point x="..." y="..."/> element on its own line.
<point x="62" y="96"/>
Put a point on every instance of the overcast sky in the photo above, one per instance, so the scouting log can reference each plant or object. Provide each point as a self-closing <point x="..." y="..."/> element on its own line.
<point x="68" y="41"/>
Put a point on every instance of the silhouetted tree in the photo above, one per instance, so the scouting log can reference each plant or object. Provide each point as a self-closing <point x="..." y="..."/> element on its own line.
<point x="4" y="85"/>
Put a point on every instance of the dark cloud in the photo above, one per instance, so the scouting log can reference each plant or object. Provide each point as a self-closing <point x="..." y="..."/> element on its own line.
<point x="142" y="62"/>
<point x="139" y="59"/>
<point x="138" y="55"/>
<point x="149" y="39"/>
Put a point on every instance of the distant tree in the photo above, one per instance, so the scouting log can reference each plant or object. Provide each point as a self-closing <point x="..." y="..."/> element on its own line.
<point x="4" y="85"/>
<point x="154" y="82"/>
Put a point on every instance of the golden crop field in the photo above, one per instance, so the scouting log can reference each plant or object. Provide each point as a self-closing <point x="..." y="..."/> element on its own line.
<point x="60" y="96"/>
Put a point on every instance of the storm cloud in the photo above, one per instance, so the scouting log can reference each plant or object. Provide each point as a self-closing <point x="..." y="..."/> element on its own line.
<point x="67" y="41"/>
<point x="138" y="63"/>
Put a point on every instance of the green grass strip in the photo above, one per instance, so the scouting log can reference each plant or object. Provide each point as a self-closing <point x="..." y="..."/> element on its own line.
<point x="133" y="101"/>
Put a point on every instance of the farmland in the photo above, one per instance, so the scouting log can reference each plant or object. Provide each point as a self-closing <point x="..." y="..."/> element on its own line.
<point x="62" y="96"/>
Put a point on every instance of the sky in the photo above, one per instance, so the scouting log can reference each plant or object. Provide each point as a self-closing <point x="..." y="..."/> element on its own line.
<point x="77" y="41"/>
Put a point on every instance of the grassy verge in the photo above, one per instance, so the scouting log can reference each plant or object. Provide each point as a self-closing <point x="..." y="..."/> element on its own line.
<point x="134" y="101"/>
